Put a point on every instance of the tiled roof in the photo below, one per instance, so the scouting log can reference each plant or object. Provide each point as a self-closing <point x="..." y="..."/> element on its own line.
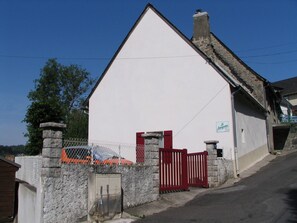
<point x="10" y="162"/>
<point x="288" y="86"/>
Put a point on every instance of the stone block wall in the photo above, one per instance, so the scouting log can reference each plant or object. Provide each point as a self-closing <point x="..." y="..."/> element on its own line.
<point x="62" y="189"/>
<point x="140" y="183"/>
<point x="291" y="141"/>
<point x="219" y="168"/>
<point x="251" y="81"/>
<point x="225" y="170"/>
<point x="137" y="183"/>
<point x="66" y="197"/>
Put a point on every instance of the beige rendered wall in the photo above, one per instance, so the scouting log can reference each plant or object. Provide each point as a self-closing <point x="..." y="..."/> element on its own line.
<point x="249" y="159"/>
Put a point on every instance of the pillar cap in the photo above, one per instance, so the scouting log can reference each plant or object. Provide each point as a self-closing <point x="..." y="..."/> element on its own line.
<point x="151" y="135"/>
<point x="211" y="142"/>
<point x="52" y="125"/>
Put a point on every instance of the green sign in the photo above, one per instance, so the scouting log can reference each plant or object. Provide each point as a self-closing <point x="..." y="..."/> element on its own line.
<point x="223" y="127"/>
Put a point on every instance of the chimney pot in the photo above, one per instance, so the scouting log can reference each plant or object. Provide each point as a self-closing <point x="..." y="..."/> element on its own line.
<point x="198" y="10"/>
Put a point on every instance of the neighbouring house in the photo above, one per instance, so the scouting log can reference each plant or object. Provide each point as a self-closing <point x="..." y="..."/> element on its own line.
<point x="285" y="134"/>
<point x="161" y="80"/>
<point x="288" y="90"/>
<point x="8" y="190"/>
<point x="287" y="109"/>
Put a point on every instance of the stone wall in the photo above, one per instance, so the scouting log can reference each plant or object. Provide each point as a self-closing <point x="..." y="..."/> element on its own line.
<point x="225" y="170"/>
<point x="137" y="183"/>
<point x="219" y="168"/>
<point x="60" y="191"/>
<point x="291" y="142"/>
<point x="66" y="197"/>
<point x="140" y="183"/>
<point x="247" y="77"/>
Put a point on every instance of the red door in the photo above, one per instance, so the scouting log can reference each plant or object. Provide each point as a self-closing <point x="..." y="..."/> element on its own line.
<point x="139" y="147"/>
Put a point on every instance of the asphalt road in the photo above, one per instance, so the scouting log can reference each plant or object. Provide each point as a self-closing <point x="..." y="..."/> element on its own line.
<point x="270" y="195"/>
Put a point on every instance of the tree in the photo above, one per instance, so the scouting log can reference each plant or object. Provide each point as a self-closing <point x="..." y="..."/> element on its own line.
<point x="77" y="126"/>
<point x="57" y="97"/>
<point x="11" y="150"/>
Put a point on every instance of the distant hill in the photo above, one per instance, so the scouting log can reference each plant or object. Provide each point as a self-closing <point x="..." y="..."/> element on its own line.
<point x="12" y="150"/>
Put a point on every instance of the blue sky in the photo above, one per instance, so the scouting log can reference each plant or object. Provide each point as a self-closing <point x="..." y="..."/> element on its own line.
<point x="84" y="32"/>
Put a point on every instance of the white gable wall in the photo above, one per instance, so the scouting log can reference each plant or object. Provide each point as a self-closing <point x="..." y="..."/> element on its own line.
<point x="158" y="82"/>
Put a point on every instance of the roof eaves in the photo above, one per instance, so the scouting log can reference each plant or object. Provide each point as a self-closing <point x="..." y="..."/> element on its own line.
<point x="190" y="43"/>
<point x="253" y="99"/>
<point x="235" y="83"/>
<point x="285" y="81"/>
<point x="10" y="162"/>
<point x="231" y="80"/>
<point x="218" y="68"/>
<point x="238" y="59"/>
<point x="148" y="6"/>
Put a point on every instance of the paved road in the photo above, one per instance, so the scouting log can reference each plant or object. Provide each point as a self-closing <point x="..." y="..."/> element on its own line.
<point x="270" y="195"/>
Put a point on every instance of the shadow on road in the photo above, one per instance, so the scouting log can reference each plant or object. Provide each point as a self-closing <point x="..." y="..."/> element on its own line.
<point x="292" y="202"/>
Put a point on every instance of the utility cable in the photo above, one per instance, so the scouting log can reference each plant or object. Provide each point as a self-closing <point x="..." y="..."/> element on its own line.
<point x="205" y="106"/>
<point x="266" y="47"/>
<point x="270" y="54"/>
<point x="272" y="63"/>
<point x="96" y="58"/>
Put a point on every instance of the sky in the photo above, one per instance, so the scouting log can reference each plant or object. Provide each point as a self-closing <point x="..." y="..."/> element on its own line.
<point x="88" y="33"/>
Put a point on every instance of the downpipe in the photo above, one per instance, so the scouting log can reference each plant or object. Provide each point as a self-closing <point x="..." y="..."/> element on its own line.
<point x="235" y="163"/>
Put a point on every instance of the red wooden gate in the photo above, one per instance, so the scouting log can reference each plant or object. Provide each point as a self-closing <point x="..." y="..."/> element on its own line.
<point x="173" y="170"/>
<point x="197" y="169"/>
<point x="179" y="170"/>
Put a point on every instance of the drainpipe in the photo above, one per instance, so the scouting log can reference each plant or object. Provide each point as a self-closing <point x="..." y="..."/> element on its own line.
<point x="267" y="121"/>
<point x="235" y="163"/>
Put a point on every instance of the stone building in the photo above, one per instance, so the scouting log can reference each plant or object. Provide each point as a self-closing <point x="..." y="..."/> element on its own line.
<point x="257" y="86"/>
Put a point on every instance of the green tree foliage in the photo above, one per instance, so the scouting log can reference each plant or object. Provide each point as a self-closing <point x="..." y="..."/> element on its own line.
<point x="57" y="97"/>
<point x="77" y="126"/>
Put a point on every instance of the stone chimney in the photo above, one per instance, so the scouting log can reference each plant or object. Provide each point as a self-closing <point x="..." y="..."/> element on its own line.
<point x="201" y="33"/>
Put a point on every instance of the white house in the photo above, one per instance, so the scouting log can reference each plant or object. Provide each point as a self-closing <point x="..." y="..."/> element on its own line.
<point x="159" y="80"/>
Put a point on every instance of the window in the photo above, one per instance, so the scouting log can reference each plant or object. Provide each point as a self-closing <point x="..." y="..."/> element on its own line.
<point x="242" y="136"/>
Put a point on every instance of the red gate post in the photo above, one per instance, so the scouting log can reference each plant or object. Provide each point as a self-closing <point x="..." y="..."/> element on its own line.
<point x="139" y="147"/>
<point x="205" y="172"/>
<point x="185" y="169"/>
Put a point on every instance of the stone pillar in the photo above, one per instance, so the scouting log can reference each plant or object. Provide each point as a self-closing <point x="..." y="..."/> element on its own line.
<point x="52" y="146"/>
<point x="212" y="163"/>
<point x="151" y="157"/>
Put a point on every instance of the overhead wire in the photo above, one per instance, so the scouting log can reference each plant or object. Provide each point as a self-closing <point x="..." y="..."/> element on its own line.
<point x="272" y="62"/>
<point x="270" y="54"/>
<point x="183" y="56"/>
<point x="95" y="58"/>
<point x="200" y="110"/>
<point x="266" y="47"/>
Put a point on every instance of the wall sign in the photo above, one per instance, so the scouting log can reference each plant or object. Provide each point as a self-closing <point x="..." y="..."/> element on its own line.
<point x="223" y="127"/>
